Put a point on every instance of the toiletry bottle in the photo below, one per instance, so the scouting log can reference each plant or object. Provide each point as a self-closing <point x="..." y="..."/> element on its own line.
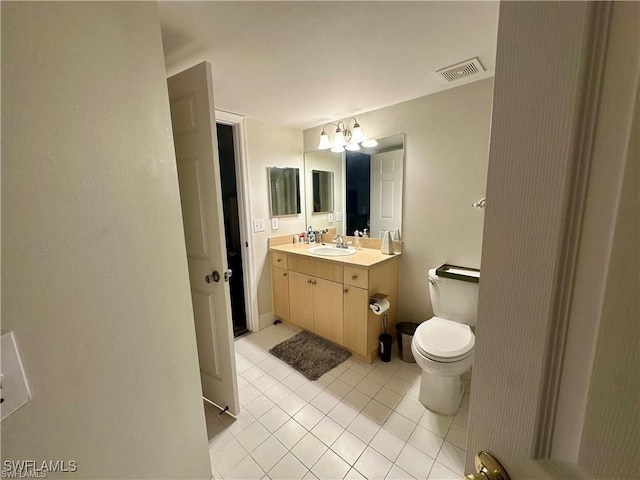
<point x="365" y="233"/>
<point x="356" y="239"/>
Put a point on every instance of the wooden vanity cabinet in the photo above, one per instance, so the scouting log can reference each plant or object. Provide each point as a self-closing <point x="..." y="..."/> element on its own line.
<point x="331" y="299"/>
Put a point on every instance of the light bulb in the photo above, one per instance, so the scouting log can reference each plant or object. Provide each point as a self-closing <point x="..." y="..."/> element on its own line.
<point x="356" y="135"/>
<point x="339" y="140"/>
<point x="352" y="146"/>
<point x="324" y="141"/>
<point x="370" y="143"/>
<point x="337" y="149"/>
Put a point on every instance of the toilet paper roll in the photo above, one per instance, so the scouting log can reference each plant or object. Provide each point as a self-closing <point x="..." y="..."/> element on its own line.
<point x="380" y="306"/>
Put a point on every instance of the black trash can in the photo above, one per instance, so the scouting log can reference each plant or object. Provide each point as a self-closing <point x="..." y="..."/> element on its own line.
<point x="405" y="331"/>
<point x="386" y="342"/>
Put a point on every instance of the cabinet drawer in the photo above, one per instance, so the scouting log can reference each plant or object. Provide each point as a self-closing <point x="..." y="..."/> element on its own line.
<point x="316" y="268"/>
<point x="279" y="259"/>
<point x="356" y="276"/>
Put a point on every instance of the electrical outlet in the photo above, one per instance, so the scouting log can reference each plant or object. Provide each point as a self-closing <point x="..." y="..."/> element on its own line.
<point x="274" y="223"/>
<point x="339" y="216"/>
<point x="258" y="225"/>
<point x="14" y="391"/>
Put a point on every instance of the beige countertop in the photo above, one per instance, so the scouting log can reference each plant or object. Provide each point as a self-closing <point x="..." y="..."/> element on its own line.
<point x="364" y="257"/>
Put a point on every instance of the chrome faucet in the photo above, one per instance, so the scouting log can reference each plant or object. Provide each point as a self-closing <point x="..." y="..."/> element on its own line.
<point x="339" y="241"/>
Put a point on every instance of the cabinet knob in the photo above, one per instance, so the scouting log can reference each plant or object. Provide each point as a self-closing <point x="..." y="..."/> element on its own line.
<point x="346" y="290"/>
<point x="354" y="276"/>
<point x="278" y="260"/>
<point x="284" y="274"/>
<point x="309" y="281"/>
<point x="313" y="282"/>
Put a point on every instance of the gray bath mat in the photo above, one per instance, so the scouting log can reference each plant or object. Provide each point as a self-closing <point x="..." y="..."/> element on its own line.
<point x="310" y="355"/>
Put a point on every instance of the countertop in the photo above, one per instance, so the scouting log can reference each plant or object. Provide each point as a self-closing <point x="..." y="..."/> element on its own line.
<point x="364" y="257"/>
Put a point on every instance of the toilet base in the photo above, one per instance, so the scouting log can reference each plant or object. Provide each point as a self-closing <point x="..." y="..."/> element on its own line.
<point x="441" y="394"/>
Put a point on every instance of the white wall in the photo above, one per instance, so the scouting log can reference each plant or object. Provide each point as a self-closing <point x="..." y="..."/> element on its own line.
<point x="269" y="145"/>
<point x="446" y="150"/>
<point x="94" y="271"/>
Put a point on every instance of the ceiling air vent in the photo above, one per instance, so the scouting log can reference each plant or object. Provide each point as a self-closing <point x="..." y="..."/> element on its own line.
<point x="462" y="70"/>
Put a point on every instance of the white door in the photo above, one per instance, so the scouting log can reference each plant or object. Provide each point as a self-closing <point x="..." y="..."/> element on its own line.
<point x="194" y="127"/>
<point x="386" y="192"/>
<point x="556" y="376"/>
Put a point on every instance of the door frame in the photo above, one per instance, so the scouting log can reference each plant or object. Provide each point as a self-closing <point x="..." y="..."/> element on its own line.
<point x="236" y="121"/>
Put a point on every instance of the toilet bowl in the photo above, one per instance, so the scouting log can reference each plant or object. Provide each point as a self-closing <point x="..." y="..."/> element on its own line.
<point x="443" y="345"/>
<point x="444" y="351"/>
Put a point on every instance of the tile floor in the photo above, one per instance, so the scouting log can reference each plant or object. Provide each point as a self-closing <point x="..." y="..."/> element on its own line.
<point x="358" y="421"/>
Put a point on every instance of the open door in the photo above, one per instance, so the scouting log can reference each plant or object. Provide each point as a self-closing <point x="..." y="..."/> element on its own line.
<point x="556" y="376"/>
<point x="194" y="126"/>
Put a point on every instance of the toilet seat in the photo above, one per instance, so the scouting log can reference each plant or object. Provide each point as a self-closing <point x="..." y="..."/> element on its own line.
<point x="442" y="340"/>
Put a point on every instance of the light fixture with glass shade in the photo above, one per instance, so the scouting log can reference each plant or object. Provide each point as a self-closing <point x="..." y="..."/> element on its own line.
<point x="345" y="138"/>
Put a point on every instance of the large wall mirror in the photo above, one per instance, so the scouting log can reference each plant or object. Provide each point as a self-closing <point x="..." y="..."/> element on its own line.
<point x="284" y="191"/>
<point x="368" y="187"/>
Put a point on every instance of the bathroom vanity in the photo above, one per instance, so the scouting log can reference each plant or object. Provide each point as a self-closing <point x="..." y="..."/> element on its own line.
<point x="329" y="296"/>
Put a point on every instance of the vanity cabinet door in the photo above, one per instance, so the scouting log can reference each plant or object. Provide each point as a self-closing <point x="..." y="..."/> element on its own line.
<point x="301" y="300"/>
<point x="327" y="306"/>
<point x="356" y="311"/>
<point x="280" y="283"/>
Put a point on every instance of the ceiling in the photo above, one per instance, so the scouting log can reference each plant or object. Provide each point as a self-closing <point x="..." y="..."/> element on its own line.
<point x="301" y="64"/>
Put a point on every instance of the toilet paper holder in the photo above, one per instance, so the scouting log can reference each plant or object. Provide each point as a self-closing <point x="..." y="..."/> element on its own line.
<point x="378" y="303"/>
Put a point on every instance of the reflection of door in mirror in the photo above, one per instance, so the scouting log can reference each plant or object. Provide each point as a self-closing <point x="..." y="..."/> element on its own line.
<point x="386" y="192"/>
<point x="284" y="191"/>
<point x="322" y="183"/>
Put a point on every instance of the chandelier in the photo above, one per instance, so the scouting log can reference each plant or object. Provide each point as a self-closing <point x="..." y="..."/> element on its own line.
<point x="345" y="138"/>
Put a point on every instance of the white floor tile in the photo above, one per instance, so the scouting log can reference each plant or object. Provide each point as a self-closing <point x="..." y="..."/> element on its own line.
<point x="327" y="431"/>
<point x="363" y="427"/>
<point x="426" y="441"/>
<point x="269" y="453"/>
<point x="278" y="392"/>
<point x="293" y="381"/>
<point x="398" y="385"/>
<point x="281" y="372"/>
<point x="290" y="433"/>
<point x="274" y="419"/>
<point x="436" y="423"/>
<point x="229" y="456"/>
<point x="414" y="462"/>
<point x="330" y="466"/>
<point x="378" y="375"/>
<point x="368" y="387"/>
<point x="461" y="417"/>
<point x="440" y="472"/>
<point x="292" y="404"/>
<point x="377" y="412"/>
<point x="248" y="393"/>
<point x="356" y="399"/>
<point x="324" y="381"/>
<point x="265" y="382"/>
<point x="351" y="378"/>
<point x="388" y="397"/>
<point x="343" y="414"/>
<point x="259" y="405"/>
<point x="308" y="416"/>
<point x="248" y="469"/>
<point x="387" y="444"/>
<point x="236" y="425"/>
<point x="349" y="447"/>
<point x="396" y="473"/>
<point x="338" y="388"/>
<point x="288" y="468"/>
<point x="309" y="450"/>
<point x="452" y="457"/>
<point x="353" y="474"/>
<point x="400" y="425"/>
<point x="308" y="391"/>
<point x="252" y="436"/>
<point x="458" y="436"/>
<point x="410" y="409"/>
<point x="360" y="367"/>
<point x="253" y="373"/>
<point x="325" y="402"/>
<point x="373" y="465"/>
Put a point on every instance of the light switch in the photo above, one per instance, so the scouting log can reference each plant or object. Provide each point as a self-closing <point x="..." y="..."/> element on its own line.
<point x="330" y="218"/>
<point x="274" y="223"/>
<point x="258" y="225"/>
<point x="14" y="391"/>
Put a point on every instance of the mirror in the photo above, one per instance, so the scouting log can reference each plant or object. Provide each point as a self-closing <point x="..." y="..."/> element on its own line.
<point x="284" y="191"/>
<point x="368" y="188"/>
<point x="322" y="183"/>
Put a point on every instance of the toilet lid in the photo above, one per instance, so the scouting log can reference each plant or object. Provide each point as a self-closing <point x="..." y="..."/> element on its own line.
<point x="444" y="340"/>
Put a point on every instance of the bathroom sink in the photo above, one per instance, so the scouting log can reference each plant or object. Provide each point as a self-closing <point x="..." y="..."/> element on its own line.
<point x="327" y="251"/>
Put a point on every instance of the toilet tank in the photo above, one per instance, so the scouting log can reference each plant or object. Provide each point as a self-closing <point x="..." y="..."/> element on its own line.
<point x="452" y="299"/>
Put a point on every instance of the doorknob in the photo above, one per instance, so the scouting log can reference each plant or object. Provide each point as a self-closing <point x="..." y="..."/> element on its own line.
<point x="488" y="468"/>
<point x="214" y="277"/>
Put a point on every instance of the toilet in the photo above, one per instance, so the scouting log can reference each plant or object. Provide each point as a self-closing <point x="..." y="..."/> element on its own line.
<point x="443" y="345"/>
